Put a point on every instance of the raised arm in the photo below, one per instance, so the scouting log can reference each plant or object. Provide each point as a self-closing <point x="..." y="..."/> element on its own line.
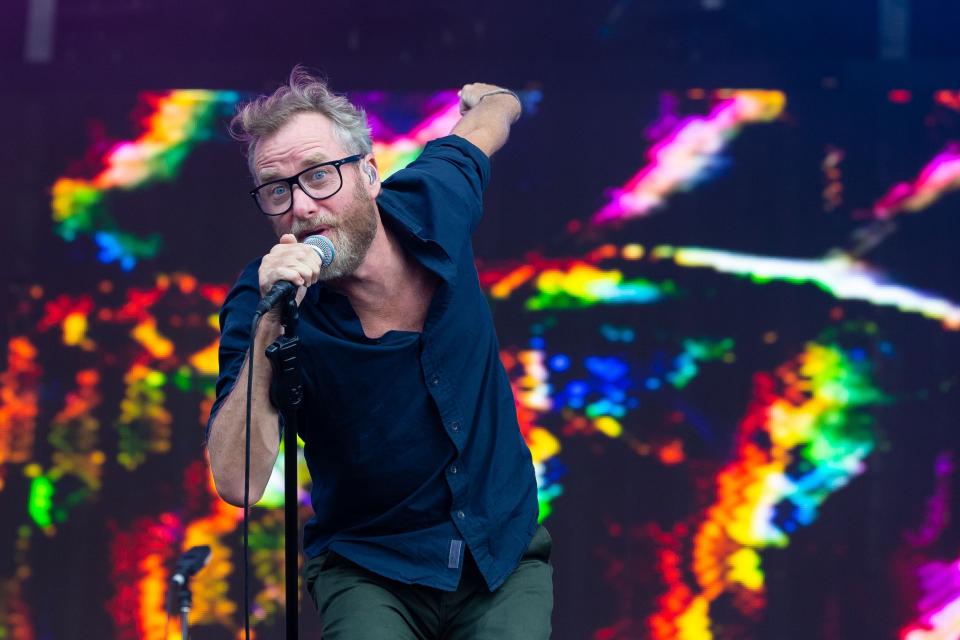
<point x="488" y="113"/>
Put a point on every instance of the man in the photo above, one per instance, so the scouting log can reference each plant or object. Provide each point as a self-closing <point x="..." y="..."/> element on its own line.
<point x="424" y="494"/>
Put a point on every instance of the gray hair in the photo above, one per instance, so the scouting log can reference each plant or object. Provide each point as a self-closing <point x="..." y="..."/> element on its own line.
<point x="305" y="92"/>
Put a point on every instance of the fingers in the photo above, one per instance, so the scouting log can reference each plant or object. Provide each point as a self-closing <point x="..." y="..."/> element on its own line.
<point x="301" y="292"/>
<point x="290" y="261"/>
<point x="469" y="95"/>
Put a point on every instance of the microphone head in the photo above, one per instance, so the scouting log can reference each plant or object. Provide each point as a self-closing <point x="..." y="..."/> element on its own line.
<point x="324" y="248"/>
<point x="191" y="561"/>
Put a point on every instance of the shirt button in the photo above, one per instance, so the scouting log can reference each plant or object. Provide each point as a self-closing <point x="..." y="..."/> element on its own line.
<point x="435" y="380"/>
<point x="455" y="425"/>
<point x="453" y="468"/>
<point x="461" y="515"/>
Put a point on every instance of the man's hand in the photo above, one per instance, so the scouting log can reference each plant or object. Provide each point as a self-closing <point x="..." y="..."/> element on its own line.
<point x="488" y="113"/>
<point x="471" y="95"/>
<point x="291" y="261"/>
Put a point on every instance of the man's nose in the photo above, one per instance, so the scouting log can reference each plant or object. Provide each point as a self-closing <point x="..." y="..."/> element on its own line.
<point x="303" y="205"/>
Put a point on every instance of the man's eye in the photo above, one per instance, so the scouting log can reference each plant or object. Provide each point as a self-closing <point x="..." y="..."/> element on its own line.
<point x="318" y="175"/>
<point x="278" y="190"/>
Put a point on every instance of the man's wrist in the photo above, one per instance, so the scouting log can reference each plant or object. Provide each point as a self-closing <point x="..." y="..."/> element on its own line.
<point x="270" y="326"/>
<point x="504" y="92"/>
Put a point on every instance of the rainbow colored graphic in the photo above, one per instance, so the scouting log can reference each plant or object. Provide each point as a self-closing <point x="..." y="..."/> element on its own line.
<point x="175" y="123"/>
<point x="940" y="176"/>
<point x="95" y="383"/>
<point x="688" y="154"/>
<point x="816" y="436"/>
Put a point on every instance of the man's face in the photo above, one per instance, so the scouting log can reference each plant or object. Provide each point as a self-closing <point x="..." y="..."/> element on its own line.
<point x="349" y="218"/>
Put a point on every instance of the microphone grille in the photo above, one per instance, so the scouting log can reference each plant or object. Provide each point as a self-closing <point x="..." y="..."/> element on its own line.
<point x="324" y="248"/>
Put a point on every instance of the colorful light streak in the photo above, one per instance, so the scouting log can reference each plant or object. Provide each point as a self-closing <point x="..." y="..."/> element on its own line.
<point x="584" y="285"/>
<point x="938" y="505"/>
<point x="19" y="384"/>
<point x="839" y="276"/>
<point x="689" y="154"/>
<point x="578" y="284"/>
<point x="940" y="605"/>
<point x="176" y="121"/>
<point x="502" y="281"/>
<point x="939" y="177"/>
<point x="817" y="437"/>
<point x="529" y="378"/>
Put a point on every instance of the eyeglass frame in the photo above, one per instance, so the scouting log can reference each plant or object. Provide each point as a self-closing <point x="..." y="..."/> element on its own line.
<point x="295" y="180"/>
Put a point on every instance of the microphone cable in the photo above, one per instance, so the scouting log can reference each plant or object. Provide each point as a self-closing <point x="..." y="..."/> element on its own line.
<point x="246" y="479"/>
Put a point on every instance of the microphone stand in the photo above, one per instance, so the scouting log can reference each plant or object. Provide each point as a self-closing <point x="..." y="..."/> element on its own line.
<point x="286" y="393"/>
<point x="186" y="600"/>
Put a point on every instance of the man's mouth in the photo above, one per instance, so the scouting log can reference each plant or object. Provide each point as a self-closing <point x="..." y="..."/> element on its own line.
<point x="319" y="231"/>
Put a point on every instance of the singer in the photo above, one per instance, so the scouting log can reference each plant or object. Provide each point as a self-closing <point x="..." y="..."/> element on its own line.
<point x="424" y="493"/>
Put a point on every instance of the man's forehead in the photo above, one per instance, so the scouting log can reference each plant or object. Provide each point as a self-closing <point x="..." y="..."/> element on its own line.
<point x="306" y="138"/>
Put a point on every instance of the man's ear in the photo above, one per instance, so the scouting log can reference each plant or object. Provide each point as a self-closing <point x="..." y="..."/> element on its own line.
<point x="370" y="169"/>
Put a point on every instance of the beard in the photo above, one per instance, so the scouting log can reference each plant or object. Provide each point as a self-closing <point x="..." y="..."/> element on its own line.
<point x="351" y="233"/>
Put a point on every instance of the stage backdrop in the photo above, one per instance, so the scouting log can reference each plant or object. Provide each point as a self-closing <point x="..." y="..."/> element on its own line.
<point x="730" y="318"/>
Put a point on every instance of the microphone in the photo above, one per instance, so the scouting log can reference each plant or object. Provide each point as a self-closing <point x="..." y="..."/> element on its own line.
<point x="281" y="290"/>
<point x="192" y="560"/>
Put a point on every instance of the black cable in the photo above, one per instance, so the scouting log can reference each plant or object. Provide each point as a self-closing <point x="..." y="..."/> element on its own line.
<point x="166" y="627"/>
<point x="246" y="482"/>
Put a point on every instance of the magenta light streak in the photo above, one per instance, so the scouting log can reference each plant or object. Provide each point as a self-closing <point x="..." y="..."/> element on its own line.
<point x="938" y="505"/>
<point x="941" y="175"/>
<point x="940" y="607"/>
<point x="688" y="153"/>
<point x="437" y="124"/>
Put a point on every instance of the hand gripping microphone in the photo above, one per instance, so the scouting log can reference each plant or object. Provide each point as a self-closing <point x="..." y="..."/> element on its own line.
<point x="280" y="291"/>
<point x="192" y="560"/>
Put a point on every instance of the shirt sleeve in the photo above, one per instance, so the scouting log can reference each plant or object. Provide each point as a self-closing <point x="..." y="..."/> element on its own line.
<point x="440" y="194"/>
<point x="235" y="318"/>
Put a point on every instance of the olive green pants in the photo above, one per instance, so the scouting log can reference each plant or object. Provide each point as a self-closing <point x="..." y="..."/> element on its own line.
<point x="356" y="604"/>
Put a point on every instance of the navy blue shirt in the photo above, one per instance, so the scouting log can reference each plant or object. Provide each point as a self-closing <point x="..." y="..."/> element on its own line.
<point x="411" y="439"/>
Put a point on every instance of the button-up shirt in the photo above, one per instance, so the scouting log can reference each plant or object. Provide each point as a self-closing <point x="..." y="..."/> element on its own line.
<point x="412" y="438"/>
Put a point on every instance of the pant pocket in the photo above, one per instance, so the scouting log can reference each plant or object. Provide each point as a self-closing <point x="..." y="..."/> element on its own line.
<point x="540" y="546"/>
<point x="311" y="572"/>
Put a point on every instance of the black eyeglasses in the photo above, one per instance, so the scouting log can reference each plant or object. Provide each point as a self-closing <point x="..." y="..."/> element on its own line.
<point x="321" y="181"/>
